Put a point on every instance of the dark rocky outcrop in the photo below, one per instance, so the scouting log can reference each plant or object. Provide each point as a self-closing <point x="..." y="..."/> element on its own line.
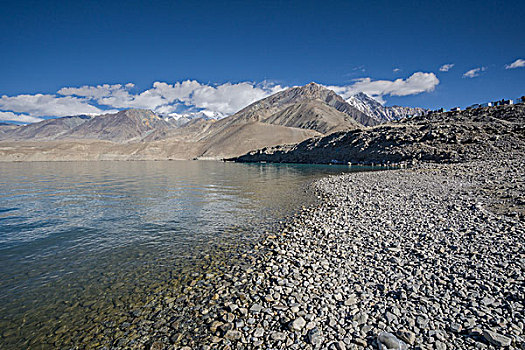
<point x="440" y="137"/>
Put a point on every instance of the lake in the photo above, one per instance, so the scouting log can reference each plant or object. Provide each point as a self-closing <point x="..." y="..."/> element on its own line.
<point x="83" y="244"/>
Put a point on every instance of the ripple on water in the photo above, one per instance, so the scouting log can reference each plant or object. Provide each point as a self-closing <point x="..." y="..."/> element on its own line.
<point x="85" y="245"/>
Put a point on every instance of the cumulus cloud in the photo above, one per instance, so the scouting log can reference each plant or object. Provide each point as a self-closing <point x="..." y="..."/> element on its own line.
<point x="47" y="105"/>
<point x="474" y="72"/>
<point x="519" y="63"/>
<point x="415" y="84"/>
<point x="229" y="98"/>
<point x="18" y="118"/>
<point x="446" y="67"/>
<point x="166" y="98"/>
<point x="94" y="92"/>
<point x="187" y="97"/>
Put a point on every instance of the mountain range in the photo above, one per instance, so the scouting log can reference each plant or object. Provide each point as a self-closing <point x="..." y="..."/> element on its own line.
<point x="287" y="117"/>
<point x="373" y="108"/>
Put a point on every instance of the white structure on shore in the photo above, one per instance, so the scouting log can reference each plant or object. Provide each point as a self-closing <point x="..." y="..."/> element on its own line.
<point x="501" y="102"/>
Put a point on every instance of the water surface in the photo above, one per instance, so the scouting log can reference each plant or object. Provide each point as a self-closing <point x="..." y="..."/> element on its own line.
<point x="80" y="238"/>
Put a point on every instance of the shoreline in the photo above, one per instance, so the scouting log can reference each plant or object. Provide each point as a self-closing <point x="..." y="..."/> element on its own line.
<point x="424" y="254"/>
<point x="432" y="254"/>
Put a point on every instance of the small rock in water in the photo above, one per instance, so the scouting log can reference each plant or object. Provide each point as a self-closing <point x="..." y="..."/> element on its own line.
<point x="157" y="345"/>
<point x="215" y="325"/>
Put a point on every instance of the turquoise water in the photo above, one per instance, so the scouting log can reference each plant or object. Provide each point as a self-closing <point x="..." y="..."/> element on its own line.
<point x="78" y="234"/>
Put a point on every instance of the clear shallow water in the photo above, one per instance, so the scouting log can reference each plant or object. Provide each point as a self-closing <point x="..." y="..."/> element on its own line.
<point x="80" y="238"/>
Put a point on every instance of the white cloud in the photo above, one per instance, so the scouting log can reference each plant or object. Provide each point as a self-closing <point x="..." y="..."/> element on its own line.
<point x="395" y="70"/>
<point x="186" y="97"/>
<point x="446" y="67"/>
<point x="474" y="72"/>
<point x="229" y="98"/>
<point x="165" y="98"/>
<point x="519" y="63"/>
<point x="415" y="84"/>
<point x="19" y="118"/>
<point x="95" y="92"/>
<point x="47" y="105"/>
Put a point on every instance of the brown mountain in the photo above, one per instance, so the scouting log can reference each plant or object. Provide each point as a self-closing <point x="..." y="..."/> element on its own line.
<point x="287" y="117"/>
<point x="124" y="126"/>
<point x="314" y="115"/>
<point x="49" y="129"/>
<point x="264" y="110"/>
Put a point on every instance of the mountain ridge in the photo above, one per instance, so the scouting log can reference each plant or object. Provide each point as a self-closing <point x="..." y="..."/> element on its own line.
<point x="286" y="117"/>
<point x="371" y="106"/>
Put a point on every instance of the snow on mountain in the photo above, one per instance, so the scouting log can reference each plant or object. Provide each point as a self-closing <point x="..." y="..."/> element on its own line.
<point x="180" y="119"/>
<point x="372" y="107"/>
<point x="204" y="114"/>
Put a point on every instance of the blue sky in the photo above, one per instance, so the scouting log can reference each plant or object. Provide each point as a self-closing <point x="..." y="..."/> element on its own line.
<point x="48" y="46"/>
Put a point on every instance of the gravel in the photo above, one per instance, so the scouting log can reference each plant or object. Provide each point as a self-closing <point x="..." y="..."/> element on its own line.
<point x="425" y="258"/>
<point x="429" y="257"/>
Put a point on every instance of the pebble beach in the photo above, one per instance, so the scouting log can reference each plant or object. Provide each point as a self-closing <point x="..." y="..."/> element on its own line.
<point x="430" y="257"/>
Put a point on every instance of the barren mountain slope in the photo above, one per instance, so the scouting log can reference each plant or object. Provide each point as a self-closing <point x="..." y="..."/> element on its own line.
<point x="48" y="129"/>
<point x="263" y="110"/>
<point x="314" y="115"/>
<point x="242" y="138"/>
<point x="124" y="126"/>
<point x="287" y="117"/>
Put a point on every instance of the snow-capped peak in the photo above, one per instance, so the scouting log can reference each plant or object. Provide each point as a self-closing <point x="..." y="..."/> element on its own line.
<point x="204" y="114"/>
<point x="374" y="108"/>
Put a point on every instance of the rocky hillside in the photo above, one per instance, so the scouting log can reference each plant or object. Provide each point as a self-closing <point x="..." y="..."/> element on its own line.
<point x="371" y="107"/>
<point x="441" y="137"/>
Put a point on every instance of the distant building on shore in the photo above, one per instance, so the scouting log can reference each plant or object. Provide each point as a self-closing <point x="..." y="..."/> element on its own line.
<point x="502" y="102"/>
